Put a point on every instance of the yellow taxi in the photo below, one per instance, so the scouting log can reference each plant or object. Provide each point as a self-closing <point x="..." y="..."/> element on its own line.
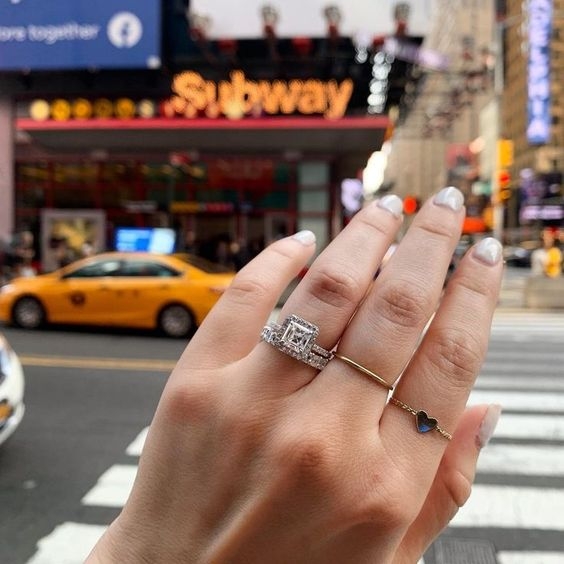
<point x="140" y="290"/>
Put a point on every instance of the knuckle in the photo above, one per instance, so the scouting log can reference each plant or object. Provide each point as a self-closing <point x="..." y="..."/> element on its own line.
<point x="458" y="353"/>
<point x="403" y="303"/>
<point x="334" y="287"/>
<point x="246" y="291"/>
<point x="376" y="226"/>
<point x="458" y="488"/>
<point x="478" y="286"/>
<point x="435" y="229"/>
<point x="189" y="403"/>
<point x="385" y="512"/>
<point x="308" y="457"/>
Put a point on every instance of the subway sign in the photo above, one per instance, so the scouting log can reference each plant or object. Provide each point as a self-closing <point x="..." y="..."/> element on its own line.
<point x="238" y="97"/>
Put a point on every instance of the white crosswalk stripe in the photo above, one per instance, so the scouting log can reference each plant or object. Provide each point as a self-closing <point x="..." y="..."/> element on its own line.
<point x="523" y="326"/>
<point x="528" y="445"/>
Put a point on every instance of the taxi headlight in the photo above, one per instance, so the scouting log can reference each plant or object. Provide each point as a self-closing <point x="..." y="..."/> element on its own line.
<point x="6" y="289"/>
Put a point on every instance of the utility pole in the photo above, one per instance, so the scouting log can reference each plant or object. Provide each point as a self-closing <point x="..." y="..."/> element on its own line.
<point x="497" y="202"/>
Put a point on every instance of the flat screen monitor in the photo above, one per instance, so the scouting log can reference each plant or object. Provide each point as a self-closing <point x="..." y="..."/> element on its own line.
<point x="145" y="239"/>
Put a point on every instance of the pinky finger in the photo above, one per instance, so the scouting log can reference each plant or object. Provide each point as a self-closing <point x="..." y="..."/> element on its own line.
<point x="232" y="328"/>
<point x="453" y="482"/>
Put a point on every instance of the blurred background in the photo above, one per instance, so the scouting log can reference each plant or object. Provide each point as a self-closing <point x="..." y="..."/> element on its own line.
<point x="210" y="128"/>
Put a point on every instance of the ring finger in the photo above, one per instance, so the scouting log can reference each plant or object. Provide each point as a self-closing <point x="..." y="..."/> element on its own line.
<point x="335" y="284"/>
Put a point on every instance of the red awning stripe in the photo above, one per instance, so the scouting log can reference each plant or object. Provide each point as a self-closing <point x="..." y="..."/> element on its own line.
<point x="376" y="122"/>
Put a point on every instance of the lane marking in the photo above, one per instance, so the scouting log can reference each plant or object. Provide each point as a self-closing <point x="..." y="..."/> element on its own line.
<point x="522" y="401"/>
<point x="512" y="507"/>
<point x="136" y="447"/>
<point x="522" y="460"/>
<point x="113" y="487"/>
<point x="538" y="383"/>
<point x="510" y="557"/>
<point x="98" y="363"/>
<point x="513" y="426"/>
<point x="69" y="543"/>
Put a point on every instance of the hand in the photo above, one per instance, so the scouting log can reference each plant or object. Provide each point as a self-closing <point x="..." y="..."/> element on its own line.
<point x="253" y="456"/>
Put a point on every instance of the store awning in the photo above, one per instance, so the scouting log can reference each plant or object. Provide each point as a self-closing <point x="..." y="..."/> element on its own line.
<point x="346" y="135"/>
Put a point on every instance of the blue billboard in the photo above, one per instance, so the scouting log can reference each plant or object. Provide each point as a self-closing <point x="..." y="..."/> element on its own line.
<point x="538" y="72"/>
<point x="79" y="34"/>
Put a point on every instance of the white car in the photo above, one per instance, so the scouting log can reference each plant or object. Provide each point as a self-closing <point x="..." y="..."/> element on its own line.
<point x="11" y="390"/>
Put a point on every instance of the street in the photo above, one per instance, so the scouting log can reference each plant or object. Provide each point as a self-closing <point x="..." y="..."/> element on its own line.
<point x="90" y="396"/>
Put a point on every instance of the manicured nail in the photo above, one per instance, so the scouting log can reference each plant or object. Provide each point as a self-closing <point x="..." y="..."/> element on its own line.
<point x="450" y="197"/>
<point x="489" y="423"/>
<point x="391" y="203"/>
<point x="305" y="237"/>
<point x="488" y="250"/>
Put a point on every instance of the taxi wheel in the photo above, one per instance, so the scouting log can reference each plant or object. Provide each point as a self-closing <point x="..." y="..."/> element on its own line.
<point x="176" y="321"/>
<point x="28" y="313"/>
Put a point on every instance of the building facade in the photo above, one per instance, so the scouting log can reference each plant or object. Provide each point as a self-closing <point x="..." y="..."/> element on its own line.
<point x="214" y="135"/>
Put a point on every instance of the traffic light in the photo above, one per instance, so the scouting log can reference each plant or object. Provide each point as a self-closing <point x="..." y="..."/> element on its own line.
<point x="503" y="179"/>
<point x="504" y="184"/>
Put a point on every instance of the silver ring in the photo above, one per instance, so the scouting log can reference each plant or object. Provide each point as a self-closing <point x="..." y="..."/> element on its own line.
<point x="296" y="337"/>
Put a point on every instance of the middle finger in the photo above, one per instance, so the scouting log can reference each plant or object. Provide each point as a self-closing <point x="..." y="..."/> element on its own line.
<point x="387" y="327"/>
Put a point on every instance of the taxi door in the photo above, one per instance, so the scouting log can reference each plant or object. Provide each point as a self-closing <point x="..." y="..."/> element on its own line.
<point x="142" y="288"/>
<point x="84" y="295"/>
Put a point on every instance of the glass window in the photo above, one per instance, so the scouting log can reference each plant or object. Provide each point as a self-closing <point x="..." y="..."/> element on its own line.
<point x="313" y="174"/>
<point x="96" y="269"/>
<point x="313" y="200"/>
<point x="147" y="268"/>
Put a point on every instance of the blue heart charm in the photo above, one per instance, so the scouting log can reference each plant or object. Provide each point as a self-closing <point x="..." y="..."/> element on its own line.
<point x="424" y="422"/>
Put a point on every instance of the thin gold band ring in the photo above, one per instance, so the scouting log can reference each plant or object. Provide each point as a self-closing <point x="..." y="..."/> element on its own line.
<point x="364" y="370"/>
<point x="423" y="422"/>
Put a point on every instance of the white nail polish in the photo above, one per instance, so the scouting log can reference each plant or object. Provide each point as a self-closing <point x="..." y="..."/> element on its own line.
<point x="489" y="423"/>
<point x="391" y="203"/>
<point x="488" y="250"/>
<point x="450" y="197"/>
<point x="305" y="237"/>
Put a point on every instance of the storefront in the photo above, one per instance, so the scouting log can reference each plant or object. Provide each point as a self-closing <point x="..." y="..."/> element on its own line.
<point x="250" y="181"/>
<point x="185" y="138"/>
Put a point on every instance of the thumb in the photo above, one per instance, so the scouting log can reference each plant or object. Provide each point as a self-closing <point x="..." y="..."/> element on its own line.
<point x="453" y="482"/>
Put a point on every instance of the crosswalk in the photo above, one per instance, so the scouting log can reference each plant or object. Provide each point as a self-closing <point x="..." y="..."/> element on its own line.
<point x="517" y="502"/>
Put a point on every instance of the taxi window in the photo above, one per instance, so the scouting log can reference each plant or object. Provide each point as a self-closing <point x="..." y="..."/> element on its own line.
<point x="152" y="269"/>
<point x="96" y="269"/>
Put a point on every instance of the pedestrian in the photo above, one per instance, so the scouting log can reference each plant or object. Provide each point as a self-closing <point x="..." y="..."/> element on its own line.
<point x="547" y="260"/>
<point x="303" y="445"/>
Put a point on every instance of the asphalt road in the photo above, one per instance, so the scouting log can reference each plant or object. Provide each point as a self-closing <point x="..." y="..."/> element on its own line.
<point x="79" y="420"/>
<point x="90" y="394"/>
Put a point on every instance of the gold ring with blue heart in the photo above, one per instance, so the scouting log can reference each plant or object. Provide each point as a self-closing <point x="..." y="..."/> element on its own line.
<point x="423" y="422"/>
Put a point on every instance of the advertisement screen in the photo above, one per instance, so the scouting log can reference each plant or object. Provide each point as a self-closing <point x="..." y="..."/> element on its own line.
<point x="139" y="239"/>
<point x="79" y="34"/>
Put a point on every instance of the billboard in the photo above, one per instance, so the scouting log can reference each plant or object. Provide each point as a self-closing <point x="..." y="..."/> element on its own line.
<point x="243" y="20"/>
<point x="79" y="34"/>
<point x="538" y="71"/>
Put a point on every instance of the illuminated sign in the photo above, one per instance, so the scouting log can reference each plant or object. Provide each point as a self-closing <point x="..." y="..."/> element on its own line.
<point x="66" y="34"/>
<point x="239" y="96"/>
<point x="538" y="71"/>
<point x="546" y="213"/>
<point x="83" y="109"/>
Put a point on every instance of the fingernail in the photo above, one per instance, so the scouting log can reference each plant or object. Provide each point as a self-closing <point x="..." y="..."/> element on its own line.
<point x="450" y="197"/>
<point x="391" y="203"/>
<point x="305" y="237"/>
<point x="488" y="250"/>
<point x="488" y="425"/>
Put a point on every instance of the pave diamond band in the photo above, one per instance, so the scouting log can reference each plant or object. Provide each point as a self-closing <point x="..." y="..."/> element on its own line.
<point x="296" y="337"/>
